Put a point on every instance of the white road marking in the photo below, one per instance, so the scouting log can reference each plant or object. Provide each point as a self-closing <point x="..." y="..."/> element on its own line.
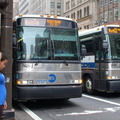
<point x="89" y="112"/>
<point x="102" y="100"/>
<point x="29" y="112"/>
<point x="101" y="110"/>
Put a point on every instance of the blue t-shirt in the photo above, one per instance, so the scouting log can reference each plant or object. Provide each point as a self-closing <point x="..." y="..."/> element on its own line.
<point x="2" y="89"/>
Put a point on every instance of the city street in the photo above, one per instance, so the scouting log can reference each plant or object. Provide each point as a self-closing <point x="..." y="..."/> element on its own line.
<point x="101" y="106"/>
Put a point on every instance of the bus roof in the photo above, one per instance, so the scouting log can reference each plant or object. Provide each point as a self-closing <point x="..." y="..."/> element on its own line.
<point x="43" y="16"/>
<point x="95" y="30"/>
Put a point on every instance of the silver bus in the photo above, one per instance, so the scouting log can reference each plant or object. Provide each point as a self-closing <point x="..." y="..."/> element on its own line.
<point x="101" y="63"/>
<point x="46" y="58"/>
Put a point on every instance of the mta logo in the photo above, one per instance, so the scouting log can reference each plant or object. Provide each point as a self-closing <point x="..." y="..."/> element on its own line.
<point x="52" y="78"/>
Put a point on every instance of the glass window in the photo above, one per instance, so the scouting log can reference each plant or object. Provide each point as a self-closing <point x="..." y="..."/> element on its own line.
<point x="52" y="5"/>
<point x="33" y="43"/>
<point x="72" y="3"/>
<point x="58" y="5"/>
<point x="115" y="46"/>
<point x="36" y="43"/>
<point x="64" y="43"/>
<point x="115" y="13"/>
<point x="58" y="13"/>
<point x="101" y="3"/>
<point x="110" y="1"/>
<point x="88" y="9"/>
<point x="115" y="0"/>
<point x="52" y="13"/>
<point x="106" y="2"/>
<point x="80" y="14"/>
<point x="85" y="12"/>
<point x="106" y="16"/>
<point x="110" y="16"/>
<point x="89" y="46"/>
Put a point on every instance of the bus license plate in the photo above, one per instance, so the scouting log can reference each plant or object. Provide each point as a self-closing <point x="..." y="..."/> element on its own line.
<point x="41" y="81"/>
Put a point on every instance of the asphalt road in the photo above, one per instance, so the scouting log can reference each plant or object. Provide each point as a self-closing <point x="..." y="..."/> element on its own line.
<point x="101" y="106"/>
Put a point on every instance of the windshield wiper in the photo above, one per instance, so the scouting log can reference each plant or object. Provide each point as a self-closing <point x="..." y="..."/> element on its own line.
<point x="37" y="62"/>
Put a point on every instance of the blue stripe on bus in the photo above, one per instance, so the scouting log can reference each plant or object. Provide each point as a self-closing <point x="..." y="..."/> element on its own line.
<point x="88" y="65"/>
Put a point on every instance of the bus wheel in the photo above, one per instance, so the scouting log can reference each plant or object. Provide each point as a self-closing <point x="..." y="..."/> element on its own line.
<point x="88" y="85"/>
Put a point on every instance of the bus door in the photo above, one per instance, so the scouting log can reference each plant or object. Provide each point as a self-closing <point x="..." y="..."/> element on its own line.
<point x="98" y="63"/>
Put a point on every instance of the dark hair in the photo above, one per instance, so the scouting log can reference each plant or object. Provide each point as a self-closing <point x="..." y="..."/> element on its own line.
<point x="3" y="57"/>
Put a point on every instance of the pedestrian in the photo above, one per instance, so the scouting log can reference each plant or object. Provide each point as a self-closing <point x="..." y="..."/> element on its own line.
<point x="3" y="103"/>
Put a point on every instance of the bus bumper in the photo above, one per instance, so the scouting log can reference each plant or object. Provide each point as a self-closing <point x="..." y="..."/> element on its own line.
<point x="48" y="92"/>
<point x="113" y="85"/>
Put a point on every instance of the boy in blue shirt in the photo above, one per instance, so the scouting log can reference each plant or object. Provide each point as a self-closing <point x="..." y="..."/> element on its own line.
<point x="3" y="104"/>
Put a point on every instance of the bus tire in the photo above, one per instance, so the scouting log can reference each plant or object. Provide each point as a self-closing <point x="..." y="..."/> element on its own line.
<point x="88" y="85"/>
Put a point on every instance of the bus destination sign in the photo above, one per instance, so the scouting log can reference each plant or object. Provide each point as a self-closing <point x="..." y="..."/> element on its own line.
<point x="53" y="22"/>
<point x="32" y="22"/>
<point x="114" y="30"/>
<point x="46" y="22"/>
<point x="42" y="22"/>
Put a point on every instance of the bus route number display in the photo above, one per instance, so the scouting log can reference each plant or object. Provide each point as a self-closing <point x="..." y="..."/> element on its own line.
<point x="46" y="22"/>
<point x="114" y="30"/>
<point x="53" y="22"/>
<point x="42" y="22"/>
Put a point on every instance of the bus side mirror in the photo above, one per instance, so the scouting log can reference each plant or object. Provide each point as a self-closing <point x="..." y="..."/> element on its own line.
<point x="105" y="44"/>
<point x="14" y="40"/>
<point x="83" y="50"/>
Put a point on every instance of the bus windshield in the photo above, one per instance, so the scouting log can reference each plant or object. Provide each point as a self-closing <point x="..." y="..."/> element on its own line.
<point x="115" y="46"/>
<point x="37" y="43"/>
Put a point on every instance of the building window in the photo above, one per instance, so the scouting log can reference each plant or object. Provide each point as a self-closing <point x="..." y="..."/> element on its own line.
<point x="67" y="5"/>
<point x="73" y="15"/>
<point x="110" y="1"/>
<point x="79" y="1"/>
<point x="52" y="13"/>
<point x="58" y="5"/>
<point x="115" y="0"/>
<point x="116" y="14"/>
<point x="88" y="10"/>
<point x="80" y="14"/>
<point x="80" y="28"/>
<point x="58" y="13"/>
<point x="52" y="5"/>
<point x="106" y="16"/>
<point x="88" y="27"/>
<point x="101" y="3"/>
<point x="110" y="16"/>
<point x="85" y="12"/>
<point x="106" y="2"/>
<point x="72" y="3"/>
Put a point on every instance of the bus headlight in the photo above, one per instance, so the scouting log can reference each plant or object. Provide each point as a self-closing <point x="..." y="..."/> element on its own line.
<point x="113" y="77"/>
<point x="78" y="81"/>
<point x="24" y="82"/>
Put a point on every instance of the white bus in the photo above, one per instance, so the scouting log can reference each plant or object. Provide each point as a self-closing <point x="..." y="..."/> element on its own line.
<point x="101" y="63"/>
<point x="46" y="58"/>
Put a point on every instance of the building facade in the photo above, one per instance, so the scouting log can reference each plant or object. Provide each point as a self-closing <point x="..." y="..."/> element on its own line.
<point x="23" y="6"/>
<point x="15" y="7"/>
<point x="108" y="11"/>
<point x="92" y="13"/>
<point x="51" y="7"/>
<point x="84" y="11"/>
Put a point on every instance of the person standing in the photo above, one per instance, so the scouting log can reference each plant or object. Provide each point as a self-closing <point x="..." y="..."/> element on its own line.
<point x="3" y="93"/>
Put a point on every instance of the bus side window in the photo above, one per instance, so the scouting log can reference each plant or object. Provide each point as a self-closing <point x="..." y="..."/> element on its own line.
<point x="96" y="50"/>
<point x="89" y="47"/>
